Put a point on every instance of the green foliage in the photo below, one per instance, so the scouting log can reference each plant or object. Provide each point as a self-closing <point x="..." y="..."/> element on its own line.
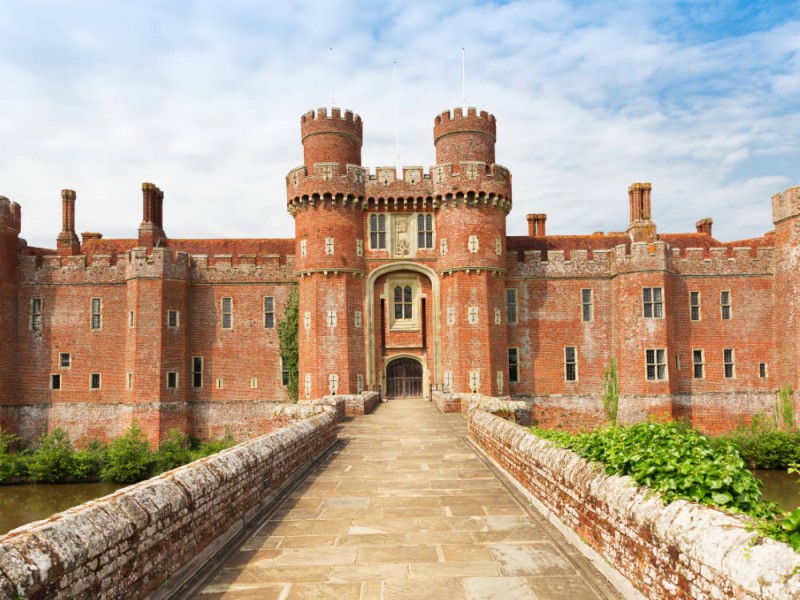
<point x="89" y="461"/>
<point x="53" y="459"/>
<point x="676" y="461"/>
<point x="785" y="408"/>
<point x="288" y="329"/>
<point x="8" y="441"/>
<point x="173" y="451"/>
<point x="787" y="527"/>
<point x="129" y="457"/>
<point x="611" y="393"/>
<point x="213" y="446"/>
<point x="762" y="446"/>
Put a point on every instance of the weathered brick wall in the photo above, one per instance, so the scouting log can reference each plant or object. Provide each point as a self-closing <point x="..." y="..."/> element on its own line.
<point x="10" y="222"/>
<point x="130" y="543"/>
<point x="681" y="550"/>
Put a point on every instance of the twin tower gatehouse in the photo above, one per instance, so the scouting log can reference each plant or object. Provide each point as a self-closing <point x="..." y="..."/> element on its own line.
<point x="407" y="283"/>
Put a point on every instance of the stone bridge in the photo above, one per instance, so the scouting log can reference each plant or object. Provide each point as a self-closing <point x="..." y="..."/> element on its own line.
<point x="405" y="502"/>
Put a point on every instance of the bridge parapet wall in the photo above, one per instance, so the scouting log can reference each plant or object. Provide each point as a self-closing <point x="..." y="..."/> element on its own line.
<point x="679" y="550"/>
<point x="151" y="537"/>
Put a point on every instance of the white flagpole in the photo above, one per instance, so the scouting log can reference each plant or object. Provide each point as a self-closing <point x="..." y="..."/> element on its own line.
<point x="330" y="72"/>
<point x="396" y="118"/>
<point x="464" y="78"/>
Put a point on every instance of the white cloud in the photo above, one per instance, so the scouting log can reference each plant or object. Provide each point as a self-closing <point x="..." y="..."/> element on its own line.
<point x="204" y="99"/>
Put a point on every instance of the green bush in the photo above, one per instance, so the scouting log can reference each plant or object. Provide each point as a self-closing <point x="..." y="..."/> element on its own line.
<point x="213" y="446"/>
<point x="129" y="458"/>
<point x="676" y="461"/>
<point x="53" y="459"/>
<point x="173" y="451"/>
<point x="89" y="461"/>
<point x="762" y="446"/>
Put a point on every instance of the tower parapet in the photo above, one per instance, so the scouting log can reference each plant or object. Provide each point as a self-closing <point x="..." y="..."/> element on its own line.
<point x="10" y="215"/>
<point x="331" y="139"/>
<point x="459" y="137"/>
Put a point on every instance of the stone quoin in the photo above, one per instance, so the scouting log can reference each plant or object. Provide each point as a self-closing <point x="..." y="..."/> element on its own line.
<point x="408" y="283"/>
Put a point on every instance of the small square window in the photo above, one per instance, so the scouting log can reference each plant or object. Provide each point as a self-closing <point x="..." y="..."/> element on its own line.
<point x="698" y="364"/>
<point x="653" y="302"/>
<point x="656" y="364"/>
<point x="64" y="360"/>
<point x="694" y="306"/>
<point x="55" y="381"/>
<point x="725" y="305"/>
<point x="762" y="370"/>
<point x="94" y="381"/>
<point x="728" y="364"/>
<point x="173" y="319"/>
<point x="172" y="379"/>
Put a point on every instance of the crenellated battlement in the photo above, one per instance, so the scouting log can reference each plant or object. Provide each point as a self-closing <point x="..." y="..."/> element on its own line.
<point x="334" y="138"/>
<point x="740" y="260"/>
<point x="557" y="263"/>
<point x="449" y="122"/>
<point x="460" y="137"/>
<point x="336" y="114"/>
<point x="786" y="204"/>
<point x="10" y="215"/>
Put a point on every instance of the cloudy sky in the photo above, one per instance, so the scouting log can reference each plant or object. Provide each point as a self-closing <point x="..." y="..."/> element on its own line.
<point x="204" y="99"/>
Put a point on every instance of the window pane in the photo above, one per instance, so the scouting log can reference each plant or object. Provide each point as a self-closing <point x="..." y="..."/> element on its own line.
<point x="647" y="294"/>
<point x="658" y="310"/>
<point x="407" y="311"/>
<point x="398" y="294"/>
<point x="657" y="294"/>
<point x="407" y="294"/>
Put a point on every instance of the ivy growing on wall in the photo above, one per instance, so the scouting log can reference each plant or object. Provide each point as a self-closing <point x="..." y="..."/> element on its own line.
<point x="289" y="347"/>
<point x="611" y="393"/>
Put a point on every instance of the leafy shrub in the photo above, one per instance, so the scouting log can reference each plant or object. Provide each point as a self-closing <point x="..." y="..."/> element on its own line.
<point x="611" y="393"/>
<point x="762" y="446"/>
<point x="89" y="461"/>
<point x="785" y="408"/>
<point x="129" y="457"/>
<point x="53" y="459"/>
<point x="676" y="461"/>
<point x="173" y="451"/>
<point x="213" y="446"/>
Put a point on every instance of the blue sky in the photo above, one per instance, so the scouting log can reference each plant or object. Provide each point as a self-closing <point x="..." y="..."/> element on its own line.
<point x="204" y="99"/>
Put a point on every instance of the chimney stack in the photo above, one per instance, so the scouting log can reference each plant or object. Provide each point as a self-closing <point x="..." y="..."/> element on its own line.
<point x="641" y="228"/>
<point x="67" y="243"/>
<point x="704" y="226"/>
<point x="536" y="225"/>
<point x="151" y="230"/>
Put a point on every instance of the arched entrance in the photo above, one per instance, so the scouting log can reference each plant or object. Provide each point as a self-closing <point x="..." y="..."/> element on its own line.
<point x="404" y="378"/>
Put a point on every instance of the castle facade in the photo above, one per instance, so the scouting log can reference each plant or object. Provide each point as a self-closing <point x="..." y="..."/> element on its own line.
<point x="408" y="283"/>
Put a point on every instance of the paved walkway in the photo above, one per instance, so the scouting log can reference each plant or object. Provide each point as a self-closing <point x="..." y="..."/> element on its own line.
<point x="405" y="509"/>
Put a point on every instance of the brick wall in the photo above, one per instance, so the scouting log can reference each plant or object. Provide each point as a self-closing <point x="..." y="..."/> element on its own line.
<point x="681" y="550"/>
<point x="133" y="541"/>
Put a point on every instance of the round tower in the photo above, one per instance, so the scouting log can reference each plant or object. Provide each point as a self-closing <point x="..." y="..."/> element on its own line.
<point x="473" y="196"/>
<point x="460" y="137"/>
<point x="335" y="138"/>
<point x="326" y="198"/>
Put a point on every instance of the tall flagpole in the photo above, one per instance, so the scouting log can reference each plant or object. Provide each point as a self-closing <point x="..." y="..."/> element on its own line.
<point x="330" y="72"/>
<point x="464" y="78"/>
<point x="396" y="118"/>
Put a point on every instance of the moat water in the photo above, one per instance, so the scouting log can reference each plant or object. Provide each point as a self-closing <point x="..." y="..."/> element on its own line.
<point x="21" y="504"/>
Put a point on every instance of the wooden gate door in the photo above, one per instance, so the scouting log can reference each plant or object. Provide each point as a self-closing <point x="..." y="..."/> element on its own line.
<point x="404" y="378"/>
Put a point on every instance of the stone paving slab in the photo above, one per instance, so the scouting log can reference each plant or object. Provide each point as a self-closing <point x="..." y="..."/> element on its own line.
<point x="405" y="509"/>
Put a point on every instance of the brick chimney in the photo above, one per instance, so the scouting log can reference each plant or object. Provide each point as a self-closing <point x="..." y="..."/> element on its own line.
<point x="704" y="226"/>
<point x="536" y="225"/>
<point x="67" y="243"/>
<point x="151" y="230"/>
<point x="641" y="228"/>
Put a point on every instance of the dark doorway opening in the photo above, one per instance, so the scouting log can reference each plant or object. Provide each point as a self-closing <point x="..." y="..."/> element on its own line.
<point x="404" y="378"/>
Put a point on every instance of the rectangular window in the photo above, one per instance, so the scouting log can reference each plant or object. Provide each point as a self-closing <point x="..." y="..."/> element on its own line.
<point x="172" y="379"/>
<point x="284" y="373"/>
<point x="656" y="364"/>
<point x="725" y="305"/>
<point x="403" y="302"/>
<point x="570" y="363"/>
<point x="511" y="306"/>
<point x="694" y="306"/>
<point x="513" y="365"/>
<point x="359" y="247"/>
<point x="55" y="381"/>
<point x="197" y="371"/>
<point x="173" y="319"/>
<point x="587" y="305"/>
<point x="254" y="382"/>
<point x="762" y="370"/>
<point x="227" y="313"/>
<point x="699" y="364"/>
<point x="130" y="319"/>
<point x="377" y="232"/>
<point x="269" y="312"/>
<point x="677" y="362"/>
<point x="425" y="231"/>
<point x="727" y="362"/>
<point x="94" y="381"/>
<point x="97" y="313"/>
<point x="220" y="383"/>
<point x="653" y="302"/>
<point x="129" y="378"/>
<point x="36" y="314"/>
<point x="64" y="360"/>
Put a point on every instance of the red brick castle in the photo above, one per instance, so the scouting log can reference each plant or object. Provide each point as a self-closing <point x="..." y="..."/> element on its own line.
<point x="407" y="281"/>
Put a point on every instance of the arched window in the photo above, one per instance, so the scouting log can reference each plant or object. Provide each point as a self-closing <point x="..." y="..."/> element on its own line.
<point x="402" y="302"/>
